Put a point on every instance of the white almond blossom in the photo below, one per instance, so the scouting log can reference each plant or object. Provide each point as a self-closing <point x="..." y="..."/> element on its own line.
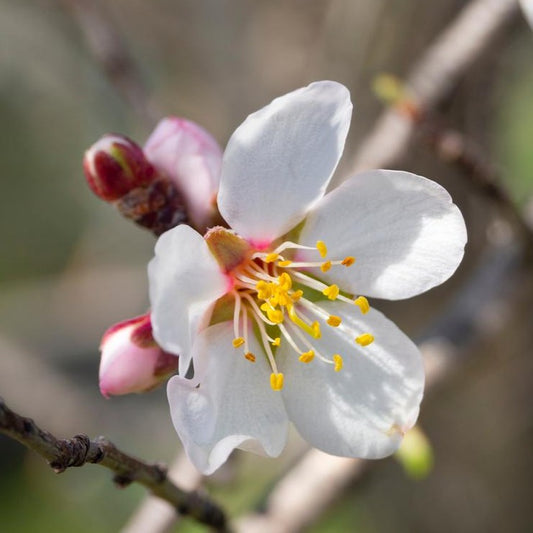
<point x="273" y="313"/>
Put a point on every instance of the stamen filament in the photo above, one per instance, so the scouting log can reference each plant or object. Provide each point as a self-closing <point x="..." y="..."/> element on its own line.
<point x="266" y="346"/>
<point x="302" y="337"/>
<point x="299" y="322"/>
<point x="287" y="245"/>
<point x="290" y="340"/>
<point x="236" y="314"/>
<point x="257" y="311"/>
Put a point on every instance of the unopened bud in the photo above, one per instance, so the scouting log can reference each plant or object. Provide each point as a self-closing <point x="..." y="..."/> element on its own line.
<point x="131" y="360"/>
<point x="191" y="158"/>
<point x="114" y="166"/>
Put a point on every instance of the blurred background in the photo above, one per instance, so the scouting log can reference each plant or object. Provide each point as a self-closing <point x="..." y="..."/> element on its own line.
<point x="71" y="266"/>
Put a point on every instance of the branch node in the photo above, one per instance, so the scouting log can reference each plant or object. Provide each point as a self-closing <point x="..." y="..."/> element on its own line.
<point x="122" y="480"/>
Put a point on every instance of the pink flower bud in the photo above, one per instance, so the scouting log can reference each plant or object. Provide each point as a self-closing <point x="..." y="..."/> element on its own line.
<point x="114" y="166"/>
<point x="131" y="360"/>
<point x="191" y="158"/>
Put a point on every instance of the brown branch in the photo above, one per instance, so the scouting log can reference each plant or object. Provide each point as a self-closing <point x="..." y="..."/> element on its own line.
<point x="65" y="453"/>
<point x="433" y="76"/>
<point x="111" y="54"/>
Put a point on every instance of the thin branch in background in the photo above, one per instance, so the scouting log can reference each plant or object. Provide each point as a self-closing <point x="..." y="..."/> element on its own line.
<point x="111" y="53"/>
<point x="433" y="76"/>
<point x="64" y="453"/>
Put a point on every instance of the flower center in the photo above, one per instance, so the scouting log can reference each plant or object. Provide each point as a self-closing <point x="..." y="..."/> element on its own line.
<point x="271" y="289"/>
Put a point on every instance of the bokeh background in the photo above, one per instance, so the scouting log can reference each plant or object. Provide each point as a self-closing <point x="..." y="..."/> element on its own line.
<point x="71" y="266"/>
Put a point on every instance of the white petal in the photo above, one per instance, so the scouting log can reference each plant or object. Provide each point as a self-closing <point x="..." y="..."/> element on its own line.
<point x="280" y="160"/>
<point x="405" y="232"/>
<point x="228" y="404"/>
<point x="362" y="410"/>
<point x="185" y="281"/>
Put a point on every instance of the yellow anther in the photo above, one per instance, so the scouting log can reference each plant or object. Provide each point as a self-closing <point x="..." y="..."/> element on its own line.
<point x="365" y="339"/>
<point x="322" y="249"/>
<point x="250" y="356"/>
<point x="325" y="266"/>
<point x="264" y="290"/>
<point x="348" y="261"/>
<point x="331" y="292"/>
<point x="265" y="307"/>
<point x="316" y="330"/>
<point x="334" y="321"/>
<point x="307" y="357"/>
<point x="276" y="341"/>
<point x="284" y="281"/>
<point x="270" y="258"/>
<point x="338" y="362"/>
<point x="363" y="304"/>
<point x="296" y="295"/>
<point x="239" y="341"/>
<point x="285" y="263"/>
<point x="276" y="381"/>
<point x="284" y="299"/>
<point x="274" y="315"/>
<point x="274" y="301"/>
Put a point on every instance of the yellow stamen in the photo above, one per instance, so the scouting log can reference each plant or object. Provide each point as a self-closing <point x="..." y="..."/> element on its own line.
<point x="334" y="321"/>
<point x="274" y="315"/>
<point x="239" y="341"/>
<point x="250" y="356"/>
<point x="331" y="292"/>
<point x="363" y="304"/>
<point x="325" y="266"/>
<point x="296" y="295"/>
<point x="284" y="263"/>
<point x="338" y="362"/>
<point x="348" y="261"/>
<point x="365" y="339"/>
<point x="322" y="249"/>
<point x="316" y="330"/>
<point x="264" y="290"/>
<point x="270" y="258"/>
<point x="312" y="330"/>
<point x="284" y="281"/>
<point x="276" y="341"/>
<point x="276" y="381"/>
<point x="307" y="357"/>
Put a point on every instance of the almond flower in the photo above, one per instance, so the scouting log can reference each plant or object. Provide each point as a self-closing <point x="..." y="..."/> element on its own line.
<point x="273" y="313"/>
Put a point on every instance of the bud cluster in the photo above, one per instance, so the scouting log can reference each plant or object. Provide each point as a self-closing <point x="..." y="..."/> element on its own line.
<point x="173" y="180"/>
